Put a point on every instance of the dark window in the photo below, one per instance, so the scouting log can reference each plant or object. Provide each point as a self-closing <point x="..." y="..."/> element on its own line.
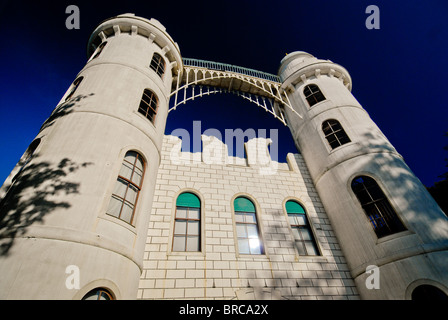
<point x="382" y="216"/>
<point x="249" y="241"/>
<point x="334" y="133"/>
<point x="99" y="50"/>
<point x="127" y="188"/>
<point x="148" y="105"/>
<point x="303" y="235"/>
<point x="73" y="88"/>
<point x="187" y="224"/>
<point x="158" y="64"/>
<point x="428" y="293"/>
<point x="98" y="294"/>
<point x="313" y="94"/>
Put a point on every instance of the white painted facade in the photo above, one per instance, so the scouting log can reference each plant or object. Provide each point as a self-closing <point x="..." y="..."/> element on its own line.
<point x="54" y="202"/>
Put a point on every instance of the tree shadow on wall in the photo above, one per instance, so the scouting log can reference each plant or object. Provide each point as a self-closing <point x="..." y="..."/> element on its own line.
<point x="63" y="109"/>
<point x="37" y="191"/>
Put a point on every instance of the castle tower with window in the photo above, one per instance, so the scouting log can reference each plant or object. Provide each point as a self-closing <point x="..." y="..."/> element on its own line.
<point x="103" y="205"/>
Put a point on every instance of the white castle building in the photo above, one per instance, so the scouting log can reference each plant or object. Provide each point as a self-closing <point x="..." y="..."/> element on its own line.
<point x="103" y="205"/>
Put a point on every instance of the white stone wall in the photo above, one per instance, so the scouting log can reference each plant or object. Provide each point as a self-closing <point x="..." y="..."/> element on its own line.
<point x="219" y="271"/>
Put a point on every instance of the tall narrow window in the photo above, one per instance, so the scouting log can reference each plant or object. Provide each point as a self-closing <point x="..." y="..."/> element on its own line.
<point x="158" y="64"/>
<point x="127" y="188"/>
<point x="247" y="231"/>
<point x="99" y="50"/>
<point x="187" y="224"/>
<point x="313" y="94"/>
<point x="148" y="105"/>
<point x="334" y="133"/>
<point x="303" y="235"/>
<point x="73" y="88"/>
<point x="382" y="216"/>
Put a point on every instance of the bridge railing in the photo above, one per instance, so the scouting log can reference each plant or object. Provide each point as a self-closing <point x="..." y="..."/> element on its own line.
<point x="229" y="67"/>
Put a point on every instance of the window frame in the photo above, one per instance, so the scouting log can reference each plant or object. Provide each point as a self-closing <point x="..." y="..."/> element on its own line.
<point x="187" y="220"/>
<point x="73" y="88"/>
<point x="148" y="105"/>
<point x="373" y="203"/>
<point x="158" y="64"/>
<point x="308" y="226"/>
<point x="98" y="50"/>
<point x="314" y="97"/>
<point x="334" y="134"/>
<point x="128" y="183"/>
<point x="257" y="224"/>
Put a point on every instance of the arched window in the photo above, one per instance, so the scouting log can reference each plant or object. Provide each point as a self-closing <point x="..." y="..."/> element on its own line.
<point x="428" y="293"/>
<point x="303" y="235"/>
<point x="148" y="105"/>
<point x="187" y="223"/>
<point x="98" y="294"/>
<point x="382" y="216"/>
<point x="334" y="133"/>
<point x="158" y="64"/>
<point x="249" y="241"/>
<point x="127" y="188"/>
<point x="313" y="94"/>
<point x="99" y="50"/>
<point x="73" y="88"/>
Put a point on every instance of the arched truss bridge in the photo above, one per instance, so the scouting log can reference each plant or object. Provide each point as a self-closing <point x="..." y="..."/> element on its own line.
<point x="200" y="78"/>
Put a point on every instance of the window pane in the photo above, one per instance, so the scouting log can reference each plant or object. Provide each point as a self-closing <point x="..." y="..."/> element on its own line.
<point x="114" y="206"/>
<point x="192" y="243"/>
<point x="250" y="218"/>
<point x="243" y="246"/>
<point x="296" y="233"/>
<point x="126" y="212"/>
<point x="239" y="217"/>
<point x="137" y="176"/>
<point x="252" y="231"/>
<point x="254" y="245"/>
<point x="179" y="243"/>
<point x="193" y="213"/>
<point x="301" y="248"/>
<point x="131" y="194"/>
<point x="180" y="227"/>
<point x="241" y="231"/>
<point x="310" y="248"/>
<point x="306" y="234"/>
<point x="292" y="219"/>
<point x="120" y="187"/>
<point x="126" y="170"/>
<point x="193" y="228"/>
<point x="181" y="212"/>
<point x="300" y="220"/>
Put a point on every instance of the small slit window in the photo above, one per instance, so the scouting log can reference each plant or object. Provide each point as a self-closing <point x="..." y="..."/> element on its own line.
<point x="73" y="88"/>
<point x="127" y="187"/>
<point x="158" y="64"/>
<point x="376" y="206"/>
<point x="313" y="94"/>
<point x="334" y="133"/>
<point x="148" y="105"/>
<point x="187" y="224"/>
<point x="99" y="50"/>
<point x="301" y="229"/>
<point x="249" y="241"/>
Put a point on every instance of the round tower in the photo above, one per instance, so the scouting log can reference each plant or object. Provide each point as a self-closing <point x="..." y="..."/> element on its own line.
<point x="386" y="222"/>
<point x="76" y="208"/>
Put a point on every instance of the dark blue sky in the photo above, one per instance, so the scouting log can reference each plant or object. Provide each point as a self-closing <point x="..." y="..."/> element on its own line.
<point x="399" y="72"/>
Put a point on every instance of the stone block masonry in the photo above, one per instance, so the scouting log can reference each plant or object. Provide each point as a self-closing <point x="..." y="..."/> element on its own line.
<point x="218" y="270"/>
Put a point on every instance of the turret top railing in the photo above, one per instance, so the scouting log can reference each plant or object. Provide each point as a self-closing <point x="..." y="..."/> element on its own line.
<point x="229" y="67"/>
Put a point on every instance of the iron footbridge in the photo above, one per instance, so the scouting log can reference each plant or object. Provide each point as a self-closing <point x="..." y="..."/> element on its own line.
<point x="201" y="78"/>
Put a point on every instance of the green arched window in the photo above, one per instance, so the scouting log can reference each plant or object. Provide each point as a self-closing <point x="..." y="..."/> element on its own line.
<point x="249" y="241"/>
<point x="187" y="224"/>
<point x="303" y="236"/>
